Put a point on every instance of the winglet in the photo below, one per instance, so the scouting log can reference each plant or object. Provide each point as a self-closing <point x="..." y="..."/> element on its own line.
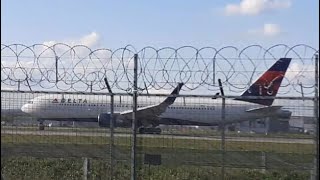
<point x="268" y="84"/>
<point x="172" y="97"/>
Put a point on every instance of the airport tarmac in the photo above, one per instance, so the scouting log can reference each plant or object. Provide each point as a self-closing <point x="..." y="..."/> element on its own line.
<point x="101" y="134"/>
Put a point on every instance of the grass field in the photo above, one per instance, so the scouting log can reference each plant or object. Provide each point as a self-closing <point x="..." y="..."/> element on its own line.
<point x="163" y="142"/>
<point x="60" y="157"/>
<point x="71" y="168"/>
<point x="167" y="131"/>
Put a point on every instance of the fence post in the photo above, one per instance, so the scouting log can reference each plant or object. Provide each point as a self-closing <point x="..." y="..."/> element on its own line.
<point x="19" y="82"/>
<point x="315" y="174"/>
<point x="86" y="168"/>
<point x="57" y="58"/>
<point x="134" y="120"/>
<point x="111" y="127"/>
<point x="222" y="124"/>
<point x="263" y="162"/>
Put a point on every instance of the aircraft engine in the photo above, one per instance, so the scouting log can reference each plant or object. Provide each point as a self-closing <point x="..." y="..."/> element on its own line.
<point x="284" y="114"/>
<point x="104" y="120"/>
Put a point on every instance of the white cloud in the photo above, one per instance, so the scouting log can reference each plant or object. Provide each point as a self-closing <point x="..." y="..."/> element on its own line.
<point x="268" y="29"/>
<point x="271" y="29"/>
<point x="8" y="87"/>
<point x="45" y="58"/>
<point x="49" y="43"/>
<point x="298" y="73"/>
<point x="255" y="7"/>
<point x="152" y="90"/>
<point x="91" y="40"/>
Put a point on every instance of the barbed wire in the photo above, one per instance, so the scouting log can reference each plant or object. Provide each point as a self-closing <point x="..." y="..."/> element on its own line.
<point x="80" y="68"/>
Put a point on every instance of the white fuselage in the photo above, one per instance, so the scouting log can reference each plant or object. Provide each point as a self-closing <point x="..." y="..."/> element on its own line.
<point x="67" y="108"/>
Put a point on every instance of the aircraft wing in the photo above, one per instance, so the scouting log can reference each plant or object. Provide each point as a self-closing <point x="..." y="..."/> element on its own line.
<point x="146" y="114"/>
<point x="150" y="113"/>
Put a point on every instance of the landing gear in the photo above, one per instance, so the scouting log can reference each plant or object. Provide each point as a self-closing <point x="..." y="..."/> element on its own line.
<point x="41" y="125"/>
<point x="150" y="130"/>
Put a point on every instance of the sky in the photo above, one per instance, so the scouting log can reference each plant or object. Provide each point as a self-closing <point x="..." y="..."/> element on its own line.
<point x="166" y="23"/>
<point x="115" y="24"/>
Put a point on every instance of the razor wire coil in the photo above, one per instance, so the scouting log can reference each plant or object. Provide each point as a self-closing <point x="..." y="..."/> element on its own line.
<point x="80" y="68"/>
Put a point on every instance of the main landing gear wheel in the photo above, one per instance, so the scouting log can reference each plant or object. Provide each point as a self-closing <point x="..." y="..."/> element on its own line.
<point x="41" y="126"/>
<point x="151" y="130"/>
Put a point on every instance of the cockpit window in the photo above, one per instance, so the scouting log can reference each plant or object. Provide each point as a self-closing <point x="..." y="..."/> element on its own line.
<point x="30" y="102"/>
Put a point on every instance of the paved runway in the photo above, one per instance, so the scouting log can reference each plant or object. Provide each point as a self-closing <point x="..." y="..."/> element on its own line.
<point x="100" y="134"/>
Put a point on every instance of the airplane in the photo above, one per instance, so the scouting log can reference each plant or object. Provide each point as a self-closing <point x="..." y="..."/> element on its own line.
<point x="169" y="111"/>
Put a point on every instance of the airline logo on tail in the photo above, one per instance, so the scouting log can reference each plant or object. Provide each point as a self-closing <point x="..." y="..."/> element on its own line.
<point x="268" y="84"/>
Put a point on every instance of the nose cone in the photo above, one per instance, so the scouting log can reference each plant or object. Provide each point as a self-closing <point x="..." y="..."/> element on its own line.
<point x="27" y="109"/>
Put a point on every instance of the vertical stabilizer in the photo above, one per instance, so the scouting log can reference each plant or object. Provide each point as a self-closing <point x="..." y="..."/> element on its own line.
<point x="268" y="84"/>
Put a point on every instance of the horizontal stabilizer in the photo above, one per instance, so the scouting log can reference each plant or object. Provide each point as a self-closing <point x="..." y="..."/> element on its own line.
<point x="264" y="109"/>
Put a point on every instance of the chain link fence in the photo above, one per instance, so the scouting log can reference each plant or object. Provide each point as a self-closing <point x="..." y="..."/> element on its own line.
<point x="45" y="87"/>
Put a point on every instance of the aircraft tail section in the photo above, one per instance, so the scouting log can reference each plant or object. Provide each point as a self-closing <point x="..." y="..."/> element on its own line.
<point x="268" y="84"/>
<point x="170" y="100"/>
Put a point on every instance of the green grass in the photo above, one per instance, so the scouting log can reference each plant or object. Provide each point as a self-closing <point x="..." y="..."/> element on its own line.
<point x="71" y="168"/>
<point x="162" y="142"/>
<point x="188" y="132"/>
<point x="173" y="151"/>
<point x="50" y="157"/>
<point x="169" y="155"/>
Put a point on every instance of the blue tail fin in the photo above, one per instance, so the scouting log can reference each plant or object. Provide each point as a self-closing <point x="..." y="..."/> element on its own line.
<point x="268" y="84"/>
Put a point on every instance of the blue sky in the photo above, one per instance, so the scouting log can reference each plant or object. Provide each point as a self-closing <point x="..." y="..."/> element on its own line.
<point x="215" y="23"/>
<point x="114" y="24"/>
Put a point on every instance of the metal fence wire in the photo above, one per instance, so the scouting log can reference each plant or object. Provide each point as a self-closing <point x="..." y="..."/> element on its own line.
<point x="67" y="112"/>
